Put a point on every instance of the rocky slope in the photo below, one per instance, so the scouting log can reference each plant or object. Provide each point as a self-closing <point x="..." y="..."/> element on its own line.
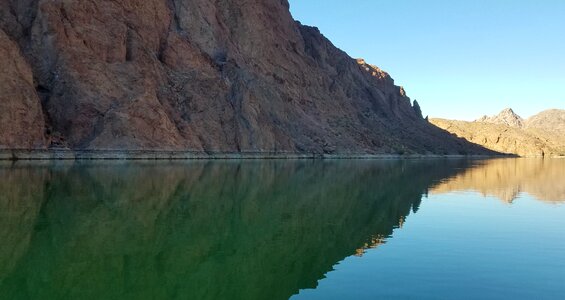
<point x="551" y="120"/>
<point x="505" y="117"/>
<point x="540" y="135"/>
<point x="197" y="75"/>
<point x="21" y="117"/>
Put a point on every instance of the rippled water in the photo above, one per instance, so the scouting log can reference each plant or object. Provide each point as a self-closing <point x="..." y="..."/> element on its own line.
<point x="411" y="229"/>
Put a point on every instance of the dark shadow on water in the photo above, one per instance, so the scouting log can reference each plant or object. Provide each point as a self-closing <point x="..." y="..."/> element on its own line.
<point x="200" y="230"/>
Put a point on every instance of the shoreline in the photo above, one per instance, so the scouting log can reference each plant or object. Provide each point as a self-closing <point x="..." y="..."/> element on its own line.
<point x="30" y="155"/>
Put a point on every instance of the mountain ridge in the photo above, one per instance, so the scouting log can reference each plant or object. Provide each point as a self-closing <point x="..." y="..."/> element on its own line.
<point x="540" y="135"/>
<point x="505" y="117"/>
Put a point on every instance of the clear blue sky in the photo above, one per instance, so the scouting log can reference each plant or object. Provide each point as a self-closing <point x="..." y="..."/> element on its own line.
<point x="459" y="59"/>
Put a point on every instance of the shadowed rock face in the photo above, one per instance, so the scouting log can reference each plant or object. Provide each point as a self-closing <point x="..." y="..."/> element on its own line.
<point x="196" y="75"/>
<point x="254" y="230"/>
<point x="21" y="117"/>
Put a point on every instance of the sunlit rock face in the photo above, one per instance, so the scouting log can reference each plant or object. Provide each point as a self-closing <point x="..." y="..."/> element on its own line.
<point x="505" y="117"/>
<point x="255" y="230"/>
<point x="507" y="179"/>
<point x="195" y="75"/>
<point x="537" y="136"/>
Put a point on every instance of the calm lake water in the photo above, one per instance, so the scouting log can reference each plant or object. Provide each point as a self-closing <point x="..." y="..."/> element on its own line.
<point x="412" y="229"/>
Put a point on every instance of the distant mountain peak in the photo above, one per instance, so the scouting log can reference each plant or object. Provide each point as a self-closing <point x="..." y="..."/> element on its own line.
<point x="506" y="117"/>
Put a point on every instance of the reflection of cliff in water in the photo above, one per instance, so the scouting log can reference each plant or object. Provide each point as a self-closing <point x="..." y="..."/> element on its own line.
<point x="228" y="230"/>
<point x="507" y="178"/>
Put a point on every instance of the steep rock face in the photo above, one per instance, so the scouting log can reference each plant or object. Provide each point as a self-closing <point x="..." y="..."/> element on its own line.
<point x="21" y="117"/>
<point x="540" y="135"/>
<point x="206" y="76"/>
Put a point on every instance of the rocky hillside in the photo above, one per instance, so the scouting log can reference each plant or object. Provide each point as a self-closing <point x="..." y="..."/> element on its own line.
<point x="506" y="117"/>
<point x="199" y="75"/>
<point x="550" y="122"/>
<point x="540" y="135"/>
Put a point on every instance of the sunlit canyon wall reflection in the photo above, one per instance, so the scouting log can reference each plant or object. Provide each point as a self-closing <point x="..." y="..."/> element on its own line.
<point x="507" y="179"/>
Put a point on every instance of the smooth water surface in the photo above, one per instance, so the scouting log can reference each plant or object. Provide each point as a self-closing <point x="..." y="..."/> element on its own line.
<point x="361" y="229"/>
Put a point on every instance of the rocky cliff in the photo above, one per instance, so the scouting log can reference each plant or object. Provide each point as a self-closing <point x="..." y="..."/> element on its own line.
<point x="540" y="135"/>
<point x="199" y="75"/>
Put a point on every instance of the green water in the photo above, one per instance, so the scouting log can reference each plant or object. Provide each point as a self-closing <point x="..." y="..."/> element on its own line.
<point x="413" y="229"/>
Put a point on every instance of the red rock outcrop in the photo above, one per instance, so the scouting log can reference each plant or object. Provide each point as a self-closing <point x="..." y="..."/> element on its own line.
<point x="197" y="75"/>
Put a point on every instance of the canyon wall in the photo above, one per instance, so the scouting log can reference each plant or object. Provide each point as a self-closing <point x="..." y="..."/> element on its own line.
<point x="195" y="75"/>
